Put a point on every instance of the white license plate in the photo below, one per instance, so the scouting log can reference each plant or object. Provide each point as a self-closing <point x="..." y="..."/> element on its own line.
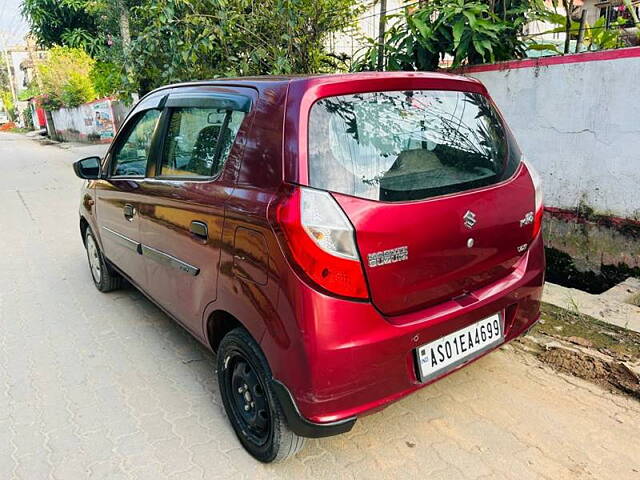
<point x="446" y="353"/>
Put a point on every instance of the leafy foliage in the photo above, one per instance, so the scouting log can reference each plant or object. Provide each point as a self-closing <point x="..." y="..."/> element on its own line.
<point x="55" y="22"/>
<point x="598" y="36"/>
<point x="65" y="78"/>
<point x="77" y="90"/>
<point x="604" y="38"/>
<point x="107" y="79"/>
<point x="4" y="77"/>
<point x="177" y="40"/>
<point x="470" y="31"/>
<point x="6" y="99"/>
<point x="31" y="91"/>
<point x="199" y="39"/>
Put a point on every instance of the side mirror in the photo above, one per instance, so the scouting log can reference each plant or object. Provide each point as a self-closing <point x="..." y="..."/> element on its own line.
<point x="88" y="168"/>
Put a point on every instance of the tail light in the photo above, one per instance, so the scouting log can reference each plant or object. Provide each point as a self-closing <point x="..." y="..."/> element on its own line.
<point x="322" y="242"/>
<point x="539" y="207"/>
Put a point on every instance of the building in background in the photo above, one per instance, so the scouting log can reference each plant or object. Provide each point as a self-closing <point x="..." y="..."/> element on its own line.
<point x="22" y="60"/>
<point x="28" y="66"/>
<point x="611" y="10"/>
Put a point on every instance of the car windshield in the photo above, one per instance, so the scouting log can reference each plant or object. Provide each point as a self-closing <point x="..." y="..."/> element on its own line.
<point x="407" y="145"/>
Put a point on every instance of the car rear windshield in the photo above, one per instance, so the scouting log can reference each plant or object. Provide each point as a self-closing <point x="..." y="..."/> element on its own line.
<point x="408" y="145"/>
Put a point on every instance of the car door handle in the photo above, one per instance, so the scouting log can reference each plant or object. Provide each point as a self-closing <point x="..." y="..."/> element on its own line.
<point x="129" y="211"/>
<point x="200" y="229"/>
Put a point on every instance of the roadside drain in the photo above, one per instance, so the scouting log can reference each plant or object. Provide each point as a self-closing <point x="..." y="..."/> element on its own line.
<point x="562" y="270"/>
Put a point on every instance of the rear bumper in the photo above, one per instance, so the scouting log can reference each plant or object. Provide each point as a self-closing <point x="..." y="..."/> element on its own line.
<point x="355" y="361"/>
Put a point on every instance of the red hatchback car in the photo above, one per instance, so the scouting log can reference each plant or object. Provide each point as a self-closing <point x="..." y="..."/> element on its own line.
<point x="339" y="240"/>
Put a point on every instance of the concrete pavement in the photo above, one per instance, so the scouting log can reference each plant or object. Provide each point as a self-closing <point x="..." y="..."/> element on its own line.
<point x="611" y="307"/>
<point x="105" y="386"/>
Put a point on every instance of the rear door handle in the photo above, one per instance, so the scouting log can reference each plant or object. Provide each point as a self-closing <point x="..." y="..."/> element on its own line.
<point x="129" y="211"/>
<point x="200" y="229"/>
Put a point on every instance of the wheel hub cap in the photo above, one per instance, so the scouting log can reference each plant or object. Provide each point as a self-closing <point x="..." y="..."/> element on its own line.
<point x="249" y="401"/>
<point x="94" y="259"/>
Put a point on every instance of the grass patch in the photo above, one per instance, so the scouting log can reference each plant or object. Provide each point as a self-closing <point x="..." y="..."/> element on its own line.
<point x="560" y="323"/>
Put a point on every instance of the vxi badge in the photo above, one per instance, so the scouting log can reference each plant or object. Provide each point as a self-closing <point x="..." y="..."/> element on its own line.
<point x="388" y="256"/>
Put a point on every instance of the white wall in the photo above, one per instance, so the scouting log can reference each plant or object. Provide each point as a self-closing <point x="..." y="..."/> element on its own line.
<point x="579" y="124"/>
<point x="93" y="121"/>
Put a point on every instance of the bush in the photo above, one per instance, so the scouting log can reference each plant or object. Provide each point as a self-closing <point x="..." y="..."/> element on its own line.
<point x="78" y="90"/>
<point x="198" y="39"/>
<point x="107" y="79"/>
<point x="6" y="99"/>
<point x="50" y="102"/>
<point x="31" y="91"/>
<point x="467" y="31"/>
<point x="65" y="77"/>
<point x="27" y="118"/>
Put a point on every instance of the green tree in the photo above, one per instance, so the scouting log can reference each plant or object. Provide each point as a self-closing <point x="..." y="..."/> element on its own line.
<point x="515" y="14"/>
<point x="95" y="26"/>
<point x="60" y="22"/>
<point x="107" y="79"/>
<point x="201" y="39"/>
<point x="65" y="78"/>
<point x="153" y="42"/>
<point x="470" y="31"/>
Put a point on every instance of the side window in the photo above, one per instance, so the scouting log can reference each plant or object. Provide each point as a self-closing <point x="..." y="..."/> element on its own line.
<point x="198" y="141"/>
<point x="130" y="158"/>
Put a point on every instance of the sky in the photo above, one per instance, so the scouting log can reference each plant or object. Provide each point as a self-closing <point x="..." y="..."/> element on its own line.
<point x="11" y="22"/>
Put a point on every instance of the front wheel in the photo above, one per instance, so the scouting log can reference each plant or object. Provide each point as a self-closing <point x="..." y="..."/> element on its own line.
<point x="104" y="278"/>
<point x="244" y="378"/>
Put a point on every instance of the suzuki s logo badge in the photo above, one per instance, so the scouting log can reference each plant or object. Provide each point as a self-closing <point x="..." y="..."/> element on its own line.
<point x="385" y="257"/>
<point x="469" y="219"/>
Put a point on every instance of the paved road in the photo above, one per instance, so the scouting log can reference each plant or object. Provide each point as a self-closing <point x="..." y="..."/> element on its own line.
<point x="106" y="386"/>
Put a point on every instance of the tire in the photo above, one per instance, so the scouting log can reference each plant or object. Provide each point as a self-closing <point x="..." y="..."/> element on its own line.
<point x="257" y="418"/>
<point x="104" y="277"/>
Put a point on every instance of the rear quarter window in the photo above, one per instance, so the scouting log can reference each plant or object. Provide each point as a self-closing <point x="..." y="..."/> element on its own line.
<point x="408" y="145"/>
<point x="198" y="141"/>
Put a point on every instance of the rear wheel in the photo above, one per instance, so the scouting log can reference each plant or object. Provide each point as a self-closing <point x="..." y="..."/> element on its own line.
<point x="251" y="405"/>
<point x="104" y="277"/>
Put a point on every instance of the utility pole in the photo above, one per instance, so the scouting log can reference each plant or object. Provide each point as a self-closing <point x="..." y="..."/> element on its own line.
<point x="583" y="25"/>
<point x="568" y="9"/>
<point x="9" y="70"/>
<point x="381" y="31"/>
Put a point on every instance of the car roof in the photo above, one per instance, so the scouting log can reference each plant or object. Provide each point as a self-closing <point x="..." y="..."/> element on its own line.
<point x="263" y="81"/>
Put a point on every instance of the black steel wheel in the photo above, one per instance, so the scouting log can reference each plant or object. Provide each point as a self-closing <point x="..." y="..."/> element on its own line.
<point x="250" y="405"/>
<point x="244" y="378"/>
